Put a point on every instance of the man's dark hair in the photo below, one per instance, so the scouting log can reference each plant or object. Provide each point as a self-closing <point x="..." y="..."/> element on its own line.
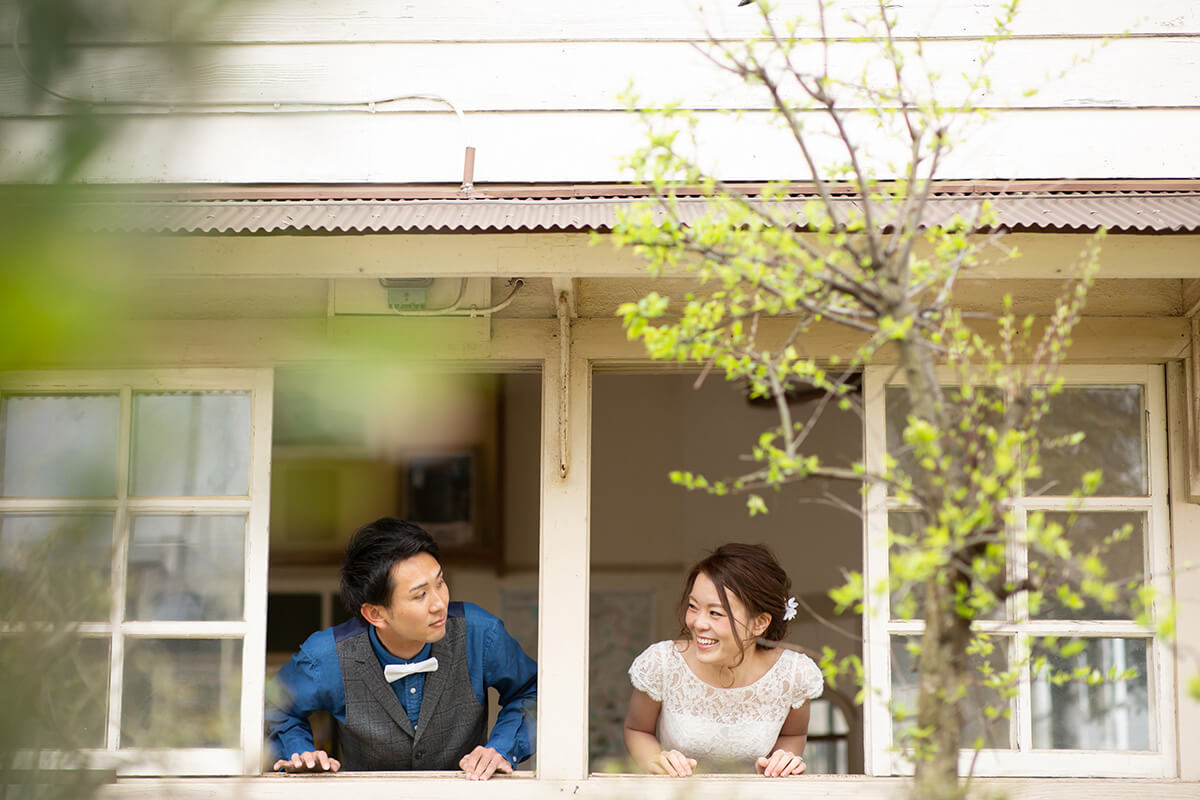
<point x="373" y="550"/>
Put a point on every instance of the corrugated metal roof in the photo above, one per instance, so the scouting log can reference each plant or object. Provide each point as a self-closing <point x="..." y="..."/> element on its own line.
<point x="1120" y="211"/>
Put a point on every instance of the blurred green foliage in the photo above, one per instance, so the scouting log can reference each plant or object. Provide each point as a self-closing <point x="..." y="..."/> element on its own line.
<point x="55" y="686"/>
<point x="59" y="294"/>
<point x="63" y="290"/>
<point x="62" y="286"/>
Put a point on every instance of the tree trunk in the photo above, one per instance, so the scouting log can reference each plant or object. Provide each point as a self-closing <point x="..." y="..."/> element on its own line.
<point x="944" y="678"/>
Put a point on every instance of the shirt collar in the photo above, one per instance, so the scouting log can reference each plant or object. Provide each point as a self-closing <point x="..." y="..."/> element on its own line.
<point x="386" y="657"/>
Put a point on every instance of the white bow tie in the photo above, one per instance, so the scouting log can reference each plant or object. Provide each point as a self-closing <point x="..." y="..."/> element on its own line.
<point x="394" y="672"/>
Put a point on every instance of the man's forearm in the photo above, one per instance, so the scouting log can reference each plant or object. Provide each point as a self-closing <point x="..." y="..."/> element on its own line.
<point x="287" y="735"/>
<point x="513" y="735"/>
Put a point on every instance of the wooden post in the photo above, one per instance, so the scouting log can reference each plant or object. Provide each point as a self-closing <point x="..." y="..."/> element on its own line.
<point x="563" y="569"/>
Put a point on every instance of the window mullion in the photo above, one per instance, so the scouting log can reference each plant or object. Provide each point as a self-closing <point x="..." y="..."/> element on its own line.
<point x="121" y="523"/>
<point x="1018" y="611"/>
<point x="1158" y="565"/>
<point x="877" y="718"/>
<point x="254" y="606"/>
<point x="1023" y="724"/>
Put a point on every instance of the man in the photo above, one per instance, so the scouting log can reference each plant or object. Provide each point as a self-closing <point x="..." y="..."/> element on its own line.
<point x="406" y="680"/>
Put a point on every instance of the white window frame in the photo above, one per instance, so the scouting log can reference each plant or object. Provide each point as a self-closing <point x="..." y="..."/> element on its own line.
<point x="255" y="505"/>
<point x="881" y="756"/>
<point x="564" y="578"/>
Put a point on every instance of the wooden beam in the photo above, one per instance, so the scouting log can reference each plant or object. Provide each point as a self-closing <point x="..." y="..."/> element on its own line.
<point x="573" y="255"/>
<point x="1190" y="293"/>
<point x="251" y="342"/>
<point x="1096" y="339"/>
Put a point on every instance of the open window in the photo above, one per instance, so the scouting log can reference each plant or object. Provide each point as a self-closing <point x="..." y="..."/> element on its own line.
<point x="647" y="532"/>
<point x="456" y="451"/>
<point x="1051" y="728"/>
<point x="133" y="522"/>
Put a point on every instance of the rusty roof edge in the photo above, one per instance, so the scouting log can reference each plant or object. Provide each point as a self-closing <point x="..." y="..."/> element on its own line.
<point x="1171" y="210"/>
<point x="546" y="191"/>
<point x="536" y="202"/>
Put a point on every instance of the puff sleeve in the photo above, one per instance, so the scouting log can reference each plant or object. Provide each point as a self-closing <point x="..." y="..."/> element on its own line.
<point x="646" y="671"/>
<point x="807" y="682"/>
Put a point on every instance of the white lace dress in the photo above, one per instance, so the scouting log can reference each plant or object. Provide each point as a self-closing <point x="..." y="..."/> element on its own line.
<point x="722" y="728"/>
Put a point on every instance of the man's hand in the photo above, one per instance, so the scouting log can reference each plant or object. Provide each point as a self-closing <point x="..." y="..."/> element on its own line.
<point x="482" y="762"/>
<point x="308" y="761"/>
<point x="673" y="763"/>
<point x="780" y="764"/>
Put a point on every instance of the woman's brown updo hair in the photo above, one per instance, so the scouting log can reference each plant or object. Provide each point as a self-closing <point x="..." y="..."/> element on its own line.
<point x="752" y="574"/>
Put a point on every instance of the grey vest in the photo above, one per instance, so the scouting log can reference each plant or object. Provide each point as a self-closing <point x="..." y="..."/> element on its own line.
<point x="377" y="734"/>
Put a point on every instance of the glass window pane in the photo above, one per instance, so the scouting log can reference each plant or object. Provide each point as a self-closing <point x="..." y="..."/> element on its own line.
<point x="59" y="445"/>
<point x="55" y="689"/>
<point x="1078" y="715"/>
<point x="897" y="408"/>
<point x="907" y="598"/>
<point x="827" y="749"/>
<point x="908" y="595"/>
<point x="995" y="731"/>
<point x="182" y="693"/>
<point x="75" y="710"/>
<point x="56" y="567"/>
<point x="1124" y="561"/>
<point x="186" y="567"/>
<point x="1112" y="420"/>
<point x="191" y="444"/>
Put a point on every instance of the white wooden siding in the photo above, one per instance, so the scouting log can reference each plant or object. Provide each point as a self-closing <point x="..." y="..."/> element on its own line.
<point x="550" y="76"/>
<point x="495" y="20"/>
<point x="579" y="146"/>
<point x="538" y="86"/>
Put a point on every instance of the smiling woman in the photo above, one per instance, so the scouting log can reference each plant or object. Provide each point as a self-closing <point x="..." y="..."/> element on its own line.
<point x="669" y="530"/>
<point x="728" y="703"/>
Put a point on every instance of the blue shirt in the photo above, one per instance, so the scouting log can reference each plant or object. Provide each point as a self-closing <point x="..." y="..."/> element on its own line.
<point x="312" y="681"/>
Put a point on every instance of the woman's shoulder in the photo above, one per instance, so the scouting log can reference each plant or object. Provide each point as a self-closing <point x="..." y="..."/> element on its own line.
<point x="807" y="680"/>
<point x="647" y="672"/>
<point x="655" y="653"/>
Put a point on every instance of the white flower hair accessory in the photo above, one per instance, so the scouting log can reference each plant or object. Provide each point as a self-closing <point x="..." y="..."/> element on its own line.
<point x="789" y="609"/>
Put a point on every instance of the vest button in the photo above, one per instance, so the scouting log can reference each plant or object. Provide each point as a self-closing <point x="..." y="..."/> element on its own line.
<point x="419" y="754"/>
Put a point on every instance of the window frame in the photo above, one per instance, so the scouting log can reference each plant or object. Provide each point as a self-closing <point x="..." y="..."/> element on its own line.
<point x="566" y="398"/>
<point x="881" y="756"/>
<point x="255" y="505"/>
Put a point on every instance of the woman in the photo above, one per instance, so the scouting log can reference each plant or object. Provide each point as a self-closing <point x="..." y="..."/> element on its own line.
<point x="716" y="698"/>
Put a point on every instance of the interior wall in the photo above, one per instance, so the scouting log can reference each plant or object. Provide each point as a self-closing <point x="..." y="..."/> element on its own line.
<point x="347" y="485"/>
<point x="644" y="426"/>
<point x="647" y="532"/>
<point x="519" y="512"/>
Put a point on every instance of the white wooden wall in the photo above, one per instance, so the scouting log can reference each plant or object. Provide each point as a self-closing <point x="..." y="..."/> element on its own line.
<point x="538" y="81"/>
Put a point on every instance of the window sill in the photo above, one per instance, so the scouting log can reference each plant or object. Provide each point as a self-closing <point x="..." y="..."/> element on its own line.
<point x="523" y="785"/>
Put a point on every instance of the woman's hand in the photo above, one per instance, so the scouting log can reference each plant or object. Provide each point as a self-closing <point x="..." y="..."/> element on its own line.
<point x="673" y="763"/>
<point x="781" y="764"/>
